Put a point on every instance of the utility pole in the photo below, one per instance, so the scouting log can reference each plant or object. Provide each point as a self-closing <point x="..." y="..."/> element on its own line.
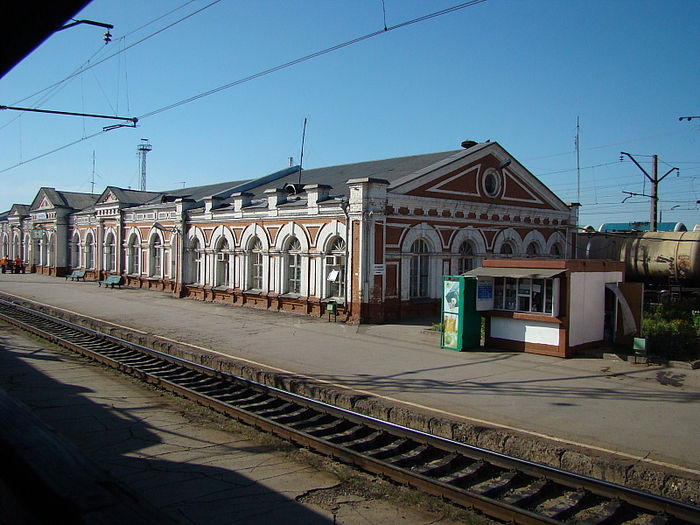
<point x="655" y="180"/>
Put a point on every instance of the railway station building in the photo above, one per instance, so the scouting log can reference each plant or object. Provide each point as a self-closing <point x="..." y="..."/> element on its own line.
<point x="372" y="239"/>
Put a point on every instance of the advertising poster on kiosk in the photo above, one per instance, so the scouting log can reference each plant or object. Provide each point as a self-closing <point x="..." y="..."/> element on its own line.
<point x="451" y="297"/>
<point x="461" y="322"/>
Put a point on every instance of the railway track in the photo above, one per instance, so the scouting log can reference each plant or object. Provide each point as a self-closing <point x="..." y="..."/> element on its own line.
<point x="500" y="486"/>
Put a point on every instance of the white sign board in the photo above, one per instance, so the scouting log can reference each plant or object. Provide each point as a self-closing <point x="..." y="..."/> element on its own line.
<point x="378" y="269"/>
<point x="484" y="294"/>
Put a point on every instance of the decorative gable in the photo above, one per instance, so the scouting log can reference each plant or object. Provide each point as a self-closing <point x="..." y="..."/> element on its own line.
<point x="45" y="203"/>
<point x="110" y="197"/>
<point x="489" y="176"/>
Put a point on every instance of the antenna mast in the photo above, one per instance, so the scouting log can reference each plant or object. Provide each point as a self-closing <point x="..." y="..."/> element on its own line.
<point x="301" y="157"/>
<point x="142" y="150"/>
<point x="578" y="164"/>
<point x="92" y="182"/>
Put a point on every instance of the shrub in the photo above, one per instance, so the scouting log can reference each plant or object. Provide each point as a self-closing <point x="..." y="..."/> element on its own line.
<point x="673" y="330"/>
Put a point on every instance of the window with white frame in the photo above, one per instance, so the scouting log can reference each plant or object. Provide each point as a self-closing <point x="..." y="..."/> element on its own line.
<point x="255" y="264"/>
<point x="466" y="257"/>
<point x="419" y="269"/>
<point x="110" y="253"/>
<point x="89" y="251"/>
<point x="524" y="294"/>
<point x="335" y="269"/>
<point x="155" y="257"/>
<point x="193" y="264"/>
<point x="75" y="251"/>
<point x="292" y="256"/>
<point x="222" y="264"/>
<point x="133" y="255"/>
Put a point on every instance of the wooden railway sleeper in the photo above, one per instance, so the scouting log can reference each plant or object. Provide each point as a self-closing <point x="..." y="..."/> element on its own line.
<point x="316" y="419"/>
<point x="491" y="488"/>
<point x="529" y="494"/>
<point x="217" y="393"/>
<point x="436" y="467"/>
<point x="399" y="446"/>
<point x="242" y="394"/>
<point x="562" y="508"/>
<point x="298" y="414"/>
<point x="411" y="457"/>
<point x="330" y="429"/>
<point x="372" y="441"/>
<point x="250" y="403"/>
<point x="201" y="383"/>
<point x="282" y="409"/>
<point x="467" y="475"/>
<point x="269" y="403"/>
<point x="601" y="513"/>
<point x="351" y="435"/>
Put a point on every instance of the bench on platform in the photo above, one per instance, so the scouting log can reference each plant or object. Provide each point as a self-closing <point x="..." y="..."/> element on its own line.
<point x="76" y="275"/>
<point x="112" y="280"/>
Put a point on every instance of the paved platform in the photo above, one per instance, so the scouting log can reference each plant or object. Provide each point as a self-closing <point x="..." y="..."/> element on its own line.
<point x="645" y="413"/>
<point x="192" y="465"/>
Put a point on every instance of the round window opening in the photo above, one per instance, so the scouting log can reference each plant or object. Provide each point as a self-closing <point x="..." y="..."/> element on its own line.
<point x="492" y="183"/>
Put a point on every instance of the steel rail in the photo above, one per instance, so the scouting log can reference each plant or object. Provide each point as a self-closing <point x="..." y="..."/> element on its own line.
<point x="500" y="486"/>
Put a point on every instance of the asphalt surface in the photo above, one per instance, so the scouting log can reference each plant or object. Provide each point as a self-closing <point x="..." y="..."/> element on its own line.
<point x="645" y="413"/>
<point x="196" y="467"/>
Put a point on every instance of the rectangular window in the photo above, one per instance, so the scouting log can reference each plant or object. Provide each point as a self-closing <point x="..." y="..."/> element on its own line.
<point x="294" y="273"/>
<point x="524" y="294"/>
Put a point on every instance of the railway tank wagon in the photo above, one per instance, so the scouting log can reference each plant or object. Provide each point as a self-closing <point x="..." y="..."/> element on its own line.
<point x="655" y="258"/>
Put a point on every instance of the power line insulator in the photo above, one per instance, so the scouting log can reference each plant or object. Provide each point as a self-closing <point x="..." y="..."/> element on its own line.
<point x="108" y="37"/>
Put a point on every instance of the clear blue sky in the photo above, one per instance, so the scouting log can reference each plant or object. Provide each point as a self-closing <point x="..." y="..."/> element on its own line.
<point x="516" y="72"/>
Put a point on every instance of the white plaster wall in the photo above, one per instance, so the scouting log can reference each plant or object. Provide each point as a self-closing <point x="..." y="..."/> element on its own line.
<point x="525" y="331"/>
<point x="587" y="305"/>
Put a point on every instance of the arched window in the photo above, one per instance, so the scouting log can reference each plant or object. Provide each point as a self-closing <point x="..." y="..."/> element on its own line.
<point x="507" y="249"/>
<point x="155" y="257"/>
<point x="292" y="257"/>
<point x="193" y="263"/>
<point x="110" y="253"/>
<point x="133" y="255"/>
<point x="466" y="257"/>
<point x="89" y="251"/>
<point x="222" y="264"/>
<point x="534" y="250"/>
<point x="255" y="264"/>
<point x="556" y="251"/>
<point x="75" y="251"/>
<point x="16" y="247"/>
<point x="335" y="269"/>
<point x="420" y="269"/>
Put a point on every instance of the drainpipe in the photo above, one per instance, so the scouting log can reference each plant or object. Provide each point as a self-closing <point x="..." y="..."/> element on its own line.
<point x="344" y="204"/>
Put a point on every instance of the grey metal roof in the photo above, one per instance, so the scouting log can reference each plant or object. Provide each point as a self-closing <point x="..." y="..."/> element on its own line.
<point x="198" y="193"/>
<point x="67" y="199"/>
<point x="337" y="176"/>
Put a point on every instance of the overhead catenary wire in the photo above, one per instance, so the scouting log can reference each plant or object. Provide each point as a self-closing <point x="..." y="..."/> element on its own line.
<point x="251" y="77"/>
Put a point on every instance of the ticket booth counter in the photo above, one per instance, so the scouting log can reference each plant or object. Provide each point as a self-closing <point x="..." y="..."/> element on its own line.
<point x="551" y="307"/>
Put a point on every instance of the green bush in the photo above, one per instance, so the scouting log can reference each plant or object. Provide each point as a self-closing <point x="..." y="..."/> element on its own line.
<point x="673" y="330"/>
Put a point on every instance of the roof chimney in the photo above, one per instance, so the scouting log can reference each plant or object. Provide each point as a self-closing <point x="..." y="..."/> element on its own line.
<point x="469" y="143"/>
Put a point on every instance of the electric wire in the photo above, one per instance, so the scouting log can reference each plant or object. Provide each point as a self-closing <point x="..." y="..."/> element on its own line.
<point x="251" y="77"/>
<point x="83" y="69"/>
<point x="309" y="57"/>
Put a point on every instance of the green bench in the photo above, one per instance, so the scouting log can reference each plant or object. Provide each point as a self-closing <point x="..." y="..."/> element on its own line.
<point x="111" y="281"/>
<point x="76" y="275"/>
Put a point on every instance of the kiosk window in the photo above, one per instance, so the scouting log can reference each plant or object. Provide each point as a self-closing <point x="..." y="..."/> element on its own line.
<point x="524" y="294"/>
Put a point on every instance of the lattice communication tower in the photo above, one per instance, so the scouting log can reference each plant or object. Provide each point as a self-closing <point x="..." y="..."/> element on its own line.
<point x="142" y="150"/>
